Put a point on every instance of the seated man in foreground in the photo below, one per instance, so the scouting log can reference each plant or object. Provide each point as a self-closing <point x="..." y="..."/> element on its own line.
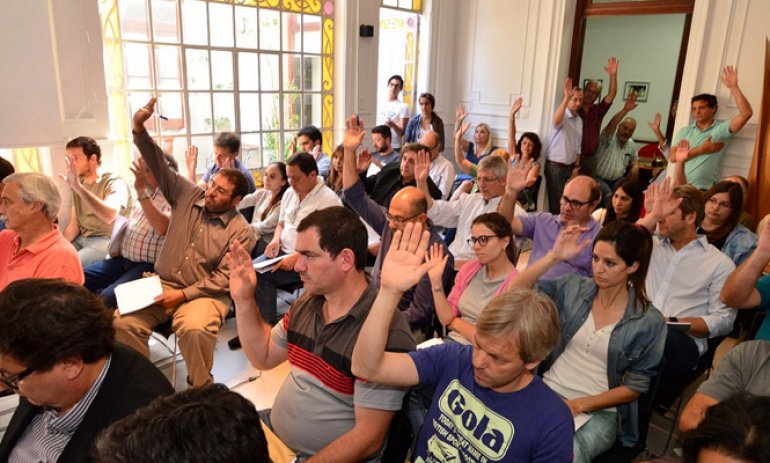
<point x="178" y="428"/>
<point x="58" y="352"/>
<point x="483" y="407"/>
<point x="32" y="246"/>
<point x="322" y="409"/>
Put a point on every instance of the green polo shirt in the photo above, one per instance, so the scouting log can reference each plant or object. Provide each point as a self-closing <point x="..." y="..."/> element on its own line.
<point x="703" y="171"/>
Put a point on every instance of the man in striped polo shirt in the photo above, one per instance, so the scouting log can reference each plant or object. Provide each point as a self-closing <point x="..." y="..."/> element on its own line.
<point x="322" y="408"/>
<point x="58" y="352"/>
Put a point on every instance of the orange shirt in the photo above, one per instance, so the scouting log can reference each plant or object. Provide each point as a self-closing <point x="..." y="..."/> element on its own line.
<point x="49" y="257"/>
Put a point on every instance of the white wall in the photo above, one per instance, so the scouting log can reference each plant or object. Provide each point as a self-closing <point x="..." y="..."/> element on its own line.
<point x="654" y="62"/>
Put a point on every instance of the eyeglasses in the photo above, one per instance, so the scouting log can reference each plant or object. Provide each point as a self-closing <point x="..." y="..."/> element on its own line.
<point x="399" y="220"/>
<point x="12" y="382"/>
<point x="715" y="202"/>
<point x="573" y="203"/>
<point x="487" y="179"/>
<point x="481" y="239"/>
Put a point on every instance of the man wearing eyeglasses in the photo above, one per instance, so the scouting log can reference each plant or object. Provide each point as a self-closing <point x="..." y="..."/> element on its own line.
<point x="577" y="202"/>
<point x="58" y="353"/>
<point x="442" y="171"/>
<point x="409" y="205"/>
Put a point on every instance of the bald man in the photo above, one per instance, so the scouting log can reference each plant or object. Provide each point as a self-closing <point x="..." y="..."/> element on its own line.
<point x="409" y="204"/>
<point x="441" y="171"/>
<point x="617" y="150"/>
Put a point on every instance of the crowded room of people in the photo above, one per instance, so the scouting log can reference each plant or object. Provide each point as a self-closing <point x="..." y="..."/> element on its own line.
<point x="285" y="231"/>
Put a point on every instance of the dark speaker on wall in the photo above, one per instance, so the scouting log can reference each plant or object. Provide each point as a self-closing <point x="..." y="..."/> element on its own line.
<point x="366" y="30"/>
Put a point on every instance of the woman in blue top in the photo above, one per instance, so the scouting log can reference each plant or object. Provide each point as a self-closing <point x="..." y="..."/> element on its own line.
<point x="424" y="122"/>
<point x="724" y="204"/>
<point x="612" y="338"/>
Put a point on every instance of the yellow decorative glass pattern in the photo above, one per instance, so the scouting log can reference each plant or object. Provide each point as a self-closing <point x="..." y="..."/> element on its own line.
<point x="26" y="159"/>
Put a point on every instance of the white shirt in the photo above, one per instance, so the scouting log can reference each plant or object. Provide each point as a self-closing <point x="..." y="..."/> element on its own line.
<point x="460" y="214"/>
<point x="687" y="283"/>
<point x="442" y="172"/>
<point x="395" y="111"/>
<point x="565" y="140"/>
<point x="581" y="370"/>
<point x="293" y="211"/>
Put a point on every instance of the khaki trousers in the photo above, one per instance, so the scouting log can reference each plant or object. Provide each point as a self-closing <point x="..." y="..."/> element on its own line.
<point x="196" y="324"/>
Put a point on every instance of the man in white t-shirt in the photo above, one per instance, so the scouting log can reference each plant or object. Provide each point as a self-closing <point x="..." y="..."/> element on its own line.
<point x="394" y="113"/>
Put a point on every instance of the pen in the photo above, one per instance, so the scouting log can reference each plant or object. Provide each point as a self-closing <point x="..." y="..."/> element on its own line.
<point x="163" y="117"/>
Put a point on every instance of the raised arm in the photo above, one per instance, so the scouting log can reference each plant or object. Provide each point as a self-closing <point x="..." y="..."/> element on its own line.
<point x="612" y="70"/>
<point x="628" y="106"/>
<point x="730" y="80"/>
<point x="105" y="209"/>
<point x="660" y="203"/>
<point x="566" y="247"/>
<point x="515" y="182"/>
<point x="515" y="107"/>
<point x="158" y="219"/>
<point x="558" y="115"/>
<point x="421" y="171"/>
<point x="681" y="152"/>
<point x="254" y="332"/>
<point x="402" y="268"/>
<point x="740" y="290"/>
<point x="191" y="163"/>
<point x="655" y="127"/>
<point x="460" y="144"/>
<point x="354" y="135"/>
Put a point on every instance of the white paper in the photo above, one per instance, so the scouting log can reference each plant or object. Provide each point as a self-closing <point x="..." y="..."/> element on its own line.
<point x="267" y="265"/>
<point x="137" y="294"/>
<point x="581" y="419"/>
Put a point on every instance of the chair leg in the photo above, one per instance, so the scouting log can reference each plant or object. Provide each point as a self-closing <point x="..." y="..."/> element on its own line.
<point x="173" y="366"/>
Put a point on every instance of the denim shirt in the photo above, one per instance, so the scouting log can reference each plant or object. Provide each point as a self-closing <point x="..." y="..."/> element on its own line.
<point x="739" y="245"/>
<point x="635" y="347"/>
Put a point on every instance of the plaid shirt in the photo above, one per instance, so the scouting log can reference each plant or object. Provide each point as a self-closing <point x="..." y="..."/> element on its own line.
<point x="141" y="242"/>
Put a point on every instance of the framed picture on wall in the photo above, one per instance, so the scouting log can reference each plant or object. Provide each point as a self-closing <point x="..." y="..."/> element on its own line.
<point x="642" y="90"/>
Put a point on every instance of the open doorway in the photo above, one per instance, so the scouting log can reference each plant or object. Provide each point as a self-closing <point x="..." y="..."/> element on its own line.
<point x="649" y="38"/>
<point x="398" y="31"/>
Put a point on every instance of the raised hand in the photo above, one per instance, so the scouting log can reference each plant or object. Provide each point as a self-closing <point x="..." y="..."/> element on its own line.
<point x="612" y="66"/>
<point x="567" y="245"/>
<point x="730" y="77"/>
<point x="354" y="133"/>
<point x="460" y="115"/>
<point x="316" y="151"/>
<point x="228" y="163"/>
<point x="293" y="145"/>
<point x="663" y="201"/>
<point x="630" y="103"/>
<point x="70" y="176"/>
<point x="363" y="161"/>
<point x="142" y="115"/>
<point x="437" y="261"/>
<point x="568" y="88"/>
<point x="140" y="177"/>
<point x="191" y="159"/>
<point x="655" y="123"/>
<point x="516" y="180"/>
<point x="516" y="106"/>
<point x="403" y="265"/>
<point x="421" y="167"/>
<point x="682" y="151"/>
<point x="243" y="278"/>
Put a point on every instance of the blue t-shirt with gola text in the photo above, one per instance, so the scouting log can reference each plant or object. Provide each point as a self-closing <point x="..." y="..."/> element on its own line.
<point x="470" y="423"/>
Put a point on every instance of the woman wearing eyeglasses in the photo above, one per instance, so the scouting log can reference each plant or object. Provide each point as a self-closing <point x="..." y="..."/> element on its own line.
<point x="478" y="281"/>
<point x="724" y="203"/>
<point x="612" y="338"/>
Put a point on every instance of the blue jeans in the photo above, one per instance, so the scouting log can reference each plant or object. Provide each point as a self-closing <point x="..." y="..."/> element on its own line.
<point x="595" y="437"/>
<point x="91" y="249"/>
<point x="267" y="290"/>
<point x="102" y="277"/>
